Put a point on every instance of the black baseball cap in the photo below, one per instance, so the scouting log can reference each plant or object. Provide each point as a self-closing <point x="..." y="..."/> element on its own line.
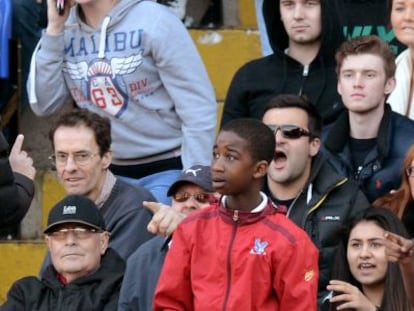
<point x="75" y="209"/>
<point x="199" y="175"/>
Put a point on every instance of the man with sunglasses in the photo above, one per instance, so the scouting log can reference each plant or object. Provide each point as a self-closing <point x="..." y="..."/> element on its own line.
<point x="191" y="191"/>
<point x="316" y="197"/>
<point x="85" y="274"/>
<point x="369" y="141"/>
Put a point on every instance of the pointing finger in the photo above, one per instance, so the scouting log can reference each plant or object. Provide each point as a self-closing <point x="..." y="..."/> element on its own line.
<point x="18" y="143"/>
<point x="152" y="206"/>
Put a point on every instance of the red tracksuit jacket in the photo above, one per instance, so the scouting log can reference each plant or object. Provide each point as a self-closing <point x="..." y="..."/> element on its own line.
<point x="232" y="260"/>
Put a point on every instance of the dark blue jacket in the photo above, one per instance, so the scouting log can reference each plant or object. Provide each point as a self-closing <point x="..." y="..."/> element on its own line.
<point x="381" y="171"/>
<point x="141" y="276"/>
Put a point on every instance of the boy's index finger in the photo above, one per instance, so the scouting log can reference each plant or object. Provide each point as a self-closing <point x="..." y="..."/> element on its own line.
<point x="18" y="144"/>
<point x="152" y="206"/>
<point x="392" y="237"/>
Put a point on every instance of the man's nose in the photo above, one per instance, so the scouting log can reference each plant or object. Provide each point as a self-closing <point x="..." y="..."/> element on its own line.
<point x="298" y="12"/>
<point x="70" y="164"/>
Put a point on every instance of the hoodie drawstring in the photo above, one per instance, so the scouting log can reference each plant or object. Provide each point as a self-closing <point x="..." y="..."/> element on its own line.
<point x="102" y="41"/>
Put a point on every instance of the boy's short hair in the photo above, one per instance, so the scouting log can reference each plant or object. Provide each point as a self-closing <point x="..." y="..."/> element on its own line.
<point x="367" y="45"/>
<point x="300" y="102"/>
<point x="259" y="137"/>
<point x="100" y="126"/>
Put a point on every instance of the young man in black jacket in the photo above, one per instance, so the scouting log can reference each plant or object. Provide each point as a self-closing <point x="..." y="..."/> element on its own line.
<point x="84" y="275"/>
<point x="368" y="142"/>
<point x="303" y="35"/>
<point x="316" y="197"/>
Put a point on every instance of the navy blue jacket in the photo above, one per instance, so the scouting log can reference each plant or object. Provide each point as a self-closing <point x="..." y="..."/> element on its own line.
<point x="382" y="168"/>
<point x="141" y="276"/>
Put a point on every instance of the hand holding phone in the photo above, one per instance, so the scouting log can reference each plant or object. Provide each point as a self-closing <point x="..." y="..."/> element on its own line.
<point x="60" y="5"/>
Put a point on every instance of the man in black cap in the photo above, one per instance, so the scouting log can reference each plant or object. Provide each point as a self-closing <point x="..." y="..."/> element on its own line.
<point x="192" y="190"/>
<point x="84" y="275"/>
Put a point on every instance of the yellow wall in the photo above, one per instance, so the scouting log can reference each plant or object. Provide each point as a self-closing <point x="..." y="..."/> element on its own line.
<point x="19" y="259"/>
<point x="23" y="258"/>
<point x="247" y="14"/>
<point x="224" y="52"/>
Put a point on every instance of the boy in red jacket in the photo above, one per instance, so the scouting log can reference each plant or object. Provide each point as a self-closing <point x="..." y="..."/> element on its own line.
<point x="242" y="253"/>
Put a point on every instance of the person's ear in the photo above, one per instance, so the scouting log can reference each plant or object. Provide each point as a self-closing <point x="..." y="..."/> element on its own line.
<point x="106" y="159"/>
<point x="47" y="241"/>
<point x="261" y="169"/>
<point x="104" y="242"/>
<point x="390" y="85"/>
<point x="315" y="146"/>
<point x="339" y="87"/>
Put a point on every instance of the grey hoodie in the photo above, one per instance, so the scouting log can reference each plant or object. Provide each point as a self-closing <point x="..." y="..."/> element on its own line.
<point x="142" y="70"/>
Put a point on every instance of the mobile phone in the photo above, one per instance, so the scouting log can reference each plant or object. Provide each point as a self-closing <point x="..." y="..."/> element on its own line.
<point x="60" y="5"/>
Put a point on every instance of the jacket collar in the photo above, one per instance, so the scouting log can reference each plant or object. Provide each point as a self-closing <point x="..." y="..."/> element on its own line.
<point x="245" y="218"/>
<point x="338" y="135"/>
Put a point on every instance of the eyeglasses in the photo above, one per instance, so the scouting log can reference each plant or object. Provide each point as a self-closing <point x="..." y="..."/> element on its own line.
<point x="200" y="197"/>
<point x="289" y="131"/>
<point x="79" y="233"/>
<point x="410" y="171"/>
<point x="80" y="158"/>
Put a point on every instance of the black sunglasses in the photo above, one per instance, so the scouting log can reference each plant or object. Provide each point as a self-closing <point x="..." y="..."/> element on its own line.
<point x="289" y="131"/>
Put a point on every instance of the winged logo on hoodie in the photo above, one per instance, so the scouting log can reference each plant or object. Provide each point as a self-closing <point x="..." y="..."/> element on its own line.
<point x="102" y="87"/>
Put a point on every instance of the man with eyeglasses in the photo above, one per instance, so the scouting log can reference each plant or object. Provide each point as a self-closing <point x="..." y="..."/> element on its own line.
<point x="85" y="274"/>
<point x="315" y="196"/>
<point x="369" y="141"/>
<point x="193" y="190"/>
<point x="81" y="141"/>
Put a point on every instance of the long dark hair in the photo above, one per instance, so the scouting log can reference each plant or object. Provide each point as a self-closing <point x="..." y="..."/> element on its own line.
<point x="394" y="297"/>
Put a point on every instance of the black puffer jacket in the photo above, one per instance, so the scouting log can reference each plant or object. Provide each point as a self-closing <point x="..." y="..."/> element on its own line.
<point x="382" y="168"/>
<point x="322" y="209"/>
<point x="96" y="292"/>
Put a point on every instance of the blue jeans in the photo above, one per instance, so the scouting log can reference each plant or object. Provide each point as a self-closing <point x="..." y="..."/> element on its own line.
<point x="264" y="40"/>
<point x="27" y="14"/>
<point x="158" y="184"/>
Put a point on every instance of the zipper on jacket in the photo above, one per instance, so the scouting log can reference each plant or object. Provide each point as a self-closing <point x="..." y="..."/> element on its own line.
<point x="359" y="170"/>
<point x="235" y="215"/>
<point x="305" y="73"/>
<point x="60" y="299"/>
<point x="228" y="259"/>
<point x="322" y="199"/>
